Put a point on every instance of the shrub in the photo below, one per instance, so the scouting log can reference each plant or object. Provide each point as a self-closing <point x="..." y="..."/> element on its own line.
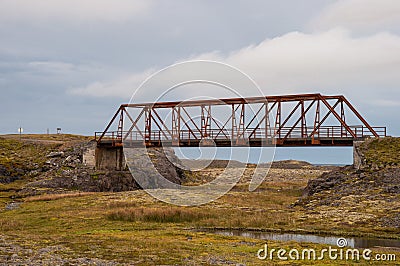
<point x="159" y="215"/>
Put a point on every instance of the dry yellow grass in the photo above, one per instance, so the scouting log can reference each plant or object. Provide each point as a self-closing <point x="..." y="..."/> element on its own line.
<point x="159" y="214"/>
<point x="132" y="227"/>
<point x="48" y="197"/>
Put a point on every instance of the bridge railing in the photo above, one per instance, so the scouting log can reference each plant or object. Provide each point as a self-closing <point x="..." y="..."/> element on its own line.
<point x="117" y="137"/>
<point x="329" y="132"/>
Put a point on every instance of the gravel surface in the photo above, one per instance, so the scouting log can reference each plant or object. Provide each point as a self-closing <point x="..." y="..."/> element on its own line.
<point x="13" y="254"/>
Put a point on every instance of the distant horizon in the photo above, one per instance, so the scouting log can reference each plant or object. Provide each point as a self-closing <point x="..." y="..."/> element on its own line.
<point x="314" y="155"/>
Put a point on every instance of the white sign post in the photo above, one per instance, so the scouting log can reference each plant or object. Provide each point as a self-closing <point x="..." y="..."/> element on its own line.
<point x="20" y="130"/>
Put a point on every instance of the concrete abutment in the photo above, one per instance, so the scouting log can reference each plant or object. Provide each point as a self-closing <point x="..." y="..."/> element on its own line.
<point x="109" y="158"/>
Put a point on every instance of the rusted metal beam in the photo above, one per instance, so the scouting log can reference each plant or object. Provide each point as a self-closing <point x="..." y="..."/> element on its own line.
<point x="288" y="117"/>
<point x="134" y="123"/>
<point x="338" y="116"/>
<point x="230" y="101"/>
<point x="187" y="125"/>
<point x="299" y="119"/>
<point x="285" y="131"/>
<point x="316" y="127"/>
<point x="226" y="123"/>
<point x="109" y="124"/>
<point x="162" y="123"/>
<point x="265" y="118"/>
<point x="360" y="117"/>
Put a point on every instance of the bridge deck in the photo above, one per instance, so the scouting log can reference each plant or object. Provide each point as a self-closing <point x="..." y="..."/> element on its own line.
<point x="328" y="136"/>
<point x="298" y="142"/>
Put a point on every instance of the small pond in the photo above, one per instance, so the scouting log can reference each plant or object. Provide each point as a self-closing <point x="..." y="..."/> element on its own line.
<point x="353" y="242"/>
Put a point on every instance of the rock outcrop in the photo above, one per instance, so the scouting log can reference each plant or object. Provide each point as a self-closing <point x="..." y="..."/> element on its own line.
<point x="67" y="169"/>
<point x="376" y="179"/>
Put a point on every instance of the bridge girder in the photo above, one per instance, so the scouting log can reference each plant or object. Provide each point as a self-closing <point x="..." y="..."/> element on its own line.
<point x="299" y="120"/>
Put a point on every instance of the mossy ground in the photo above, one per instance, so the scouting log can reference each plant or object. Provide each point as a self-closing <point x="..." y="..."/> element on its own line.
<point x="385" y="152"/>
<point x="15" y="154"/>
<point x="18" y="158"/>
<point x="132" y="227"/>
<point x="86" y="225"/>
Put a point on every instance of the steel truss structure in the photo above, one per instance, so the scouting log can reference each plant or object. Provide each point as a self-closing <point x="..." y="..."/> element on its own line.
<point x="285" y="120"/>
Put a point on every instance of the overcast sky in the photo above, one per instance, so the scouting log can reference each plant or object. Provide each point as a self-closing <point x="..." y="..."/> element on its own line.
<point x="70" y="63"/>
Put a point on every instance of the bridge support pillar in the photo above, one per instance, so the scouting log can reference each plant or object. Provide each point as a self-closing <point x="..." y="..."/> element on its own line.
<point x="358" y="156"/>
<point x="109" y="158"/>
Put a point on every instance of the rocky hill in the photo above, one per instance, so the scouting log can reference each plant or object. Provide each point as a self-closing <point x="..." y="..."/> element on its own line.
<point x="375" y="184"/>
<point x="40" y="164"/>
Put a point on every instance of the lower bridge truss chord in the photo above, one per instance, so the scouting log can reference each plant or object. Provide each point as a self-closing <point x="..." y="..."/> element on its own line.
<point x="286" y="120"/>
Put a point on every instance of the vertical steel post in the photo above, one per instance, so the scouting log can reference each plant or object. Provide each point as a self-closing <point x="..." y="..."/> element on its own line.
<point x="147" y="130"/>
<point x="233" y="118"/>
<point x="120" y="125"/>
<point x="205" y="121"/>
<point x="303" y="121"/>
<point x="317" y="119"/>
<point x="342" y="116"/>
<point x="176" y="120"/>
<point x="278" y="120"/>
<point x="267" y="124"/>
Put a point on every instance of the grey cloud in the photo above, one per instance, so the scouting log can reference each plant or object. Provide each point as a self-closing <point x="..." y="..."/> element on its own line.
<point x="330" y="62"/>
<point x="363" y="16"/>
<point x="53" y="65"/>
<point x="72" y="11"/>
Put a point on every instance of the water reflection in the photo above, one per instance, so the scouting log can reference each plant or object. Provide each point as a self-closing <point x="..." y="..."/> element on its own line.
<point x="353" y="242"/>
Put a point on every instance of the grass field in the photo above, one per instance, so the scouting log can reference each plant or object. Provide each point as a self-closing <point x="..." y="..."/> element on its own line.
<point x="134" y="228"/>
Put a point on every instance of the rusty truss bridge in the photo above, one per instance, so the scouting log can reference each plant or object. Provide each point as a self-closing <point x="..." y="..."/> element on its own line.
<point x="286" y="120"/>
